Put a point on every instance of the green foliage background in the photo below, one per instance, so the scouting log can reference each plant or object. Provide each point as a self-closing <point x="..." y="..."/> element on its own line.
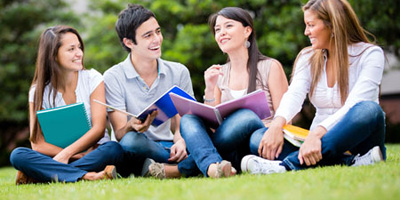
<point x="187" y="39"/>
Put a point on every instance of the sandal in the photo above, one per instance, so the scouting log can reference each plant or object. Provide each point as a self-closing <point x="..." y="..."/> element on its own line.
<point x="22" y="178"/>
<point x="224" y="169"/>
<point x="110" y="172"/>
<point x="157" y="170"/>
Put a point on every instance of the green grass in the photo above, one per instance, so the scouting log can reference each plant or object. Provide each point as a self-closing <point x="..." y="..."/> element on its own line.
<point x="380" y="181"/>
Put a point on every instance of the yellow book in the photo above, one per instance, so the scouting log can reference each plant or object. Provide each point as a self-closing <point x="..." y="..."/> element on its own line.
<point x="294" y="134"/>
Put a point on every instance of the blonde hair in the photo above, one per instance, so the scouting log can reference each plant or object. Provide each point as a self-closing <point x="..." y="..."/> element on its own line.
<point x="340" y="18"/>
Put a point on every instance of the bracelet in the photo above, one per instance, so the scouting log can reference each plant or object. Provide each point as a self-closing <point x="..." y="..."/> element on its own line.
<point x="208" y="100"/>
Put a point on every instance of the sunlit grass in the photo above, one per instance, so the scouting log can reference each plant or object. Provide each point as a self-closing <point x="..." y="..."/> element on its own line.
<point x="380" y="181"/>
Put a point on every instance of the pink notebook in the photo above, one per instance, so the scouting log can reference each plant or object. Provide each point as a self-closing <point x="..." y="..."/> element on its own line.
<point x="213" y="116"/>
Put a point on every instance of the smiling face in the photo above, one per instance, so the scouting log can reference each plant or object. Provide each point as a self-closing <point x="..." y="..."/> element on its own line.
<point x="148" y="40"/>
<point x="70" y="53"/>
<point x="317" y="31"/>
<point x="230" y="34"/>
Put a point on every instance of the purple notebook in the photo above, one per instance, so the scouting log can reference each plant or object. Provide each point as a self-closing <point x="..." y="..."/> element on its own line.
<point x="213" y="116"/>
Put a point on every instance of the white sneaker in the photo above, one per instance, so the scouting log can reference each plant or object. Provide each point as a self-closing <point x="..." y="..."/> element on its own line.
<point x="371" y="157"/>
<point x="258" y="165"/>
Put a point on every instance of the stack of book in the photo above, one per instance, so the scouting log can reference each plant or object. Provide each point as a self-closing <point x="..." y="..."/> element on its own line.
<point x="295" y="134"/>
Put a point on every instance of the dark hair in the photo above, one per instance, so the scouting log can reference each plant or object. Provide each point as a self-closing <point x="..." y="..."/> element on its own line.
<point x="47" y="69"/>
<point x="242" y="16"/>
<point x="129" y="20"/>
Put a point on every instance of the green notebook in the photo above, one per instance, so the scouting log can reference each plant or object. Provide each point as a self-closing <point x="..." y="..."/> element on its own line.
<point x="61" y="126"/>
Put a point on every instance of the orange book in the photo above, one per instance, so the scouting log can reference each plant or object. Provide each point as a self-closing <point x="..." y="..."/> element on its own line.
<point x="294" y="134"/>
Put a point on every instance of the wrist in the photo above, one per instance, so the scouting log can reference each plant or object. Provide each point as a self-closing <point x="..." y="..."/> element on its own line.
<point x="278" y="122"/>
<point x="66" y="152"/>
<point x="209" y="92"/>
<point x="206" y="100"/>
<point x="318" y="132"/>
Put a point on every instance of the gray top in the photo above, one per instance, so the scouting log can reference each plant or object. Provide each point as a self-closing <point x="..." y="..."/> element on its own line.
<point x="126" y="90"/>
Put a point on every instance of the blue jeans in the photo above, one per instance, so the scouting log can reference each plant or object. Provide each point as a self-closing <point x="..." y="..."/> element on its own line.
<point x="44" y="169"/>
<point x="138" y="144"/>
<point x="229" y="141"/>
<point x="362" y="128"/>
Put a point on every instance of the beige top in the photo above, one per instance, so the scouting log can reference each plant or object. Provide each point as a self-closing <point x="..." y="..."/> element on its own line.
<point x="261" y="83"/>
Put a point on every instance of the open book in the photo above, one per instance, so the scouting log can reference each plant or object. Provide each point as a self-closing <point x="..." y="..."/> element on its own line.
<point x="62" y="126"/>
<point x="163" y="105"/>
<point x="213" y="116"/>
<point x="295" y="134"/>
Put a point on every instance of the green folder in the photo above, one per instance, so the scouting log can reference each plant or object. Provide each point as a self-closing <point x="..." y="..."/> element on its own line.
<point x="62" y="126"/>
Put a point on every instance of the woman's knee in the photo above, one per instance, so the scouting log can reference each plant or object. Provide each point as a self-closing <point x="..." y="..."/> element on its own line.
<point x="243" y="119"/>
<point x="113" y="148"/>
<point x="245" y="115"/>
<point x="248" y="117"/>
<point x="190" y="124"/>
<point x="17" y="157"/>
<point x="368" y="111"/>
<point x="189" y="120"/>
<point x="255" y="140"/>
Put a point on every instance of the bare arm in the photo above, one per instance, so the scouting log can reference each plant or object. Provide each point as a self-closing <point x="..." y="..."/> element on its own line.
<point x="212" y="92"/>
<point x="272" y="142"/>
<point x="94" y="134"/>
<point x="277" y="83"/>
<point x="178" y="150"/>
<point x="40" y="145"/>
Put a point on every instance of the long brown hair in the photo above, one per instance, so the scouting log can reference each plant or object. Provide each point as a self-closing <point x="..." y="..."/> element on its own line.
<point x="242" y="16"/>
<point x="47" y="71"/>
<point x="340" y="18"/>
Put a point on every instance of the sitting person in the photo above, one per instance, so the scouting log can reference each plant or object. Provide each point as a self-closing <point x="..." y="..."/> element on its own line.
<point x="61" y="79"/>
<point x="341" y="72"/>
<point x="138" y="80"/>
<point x="218" y="152"/>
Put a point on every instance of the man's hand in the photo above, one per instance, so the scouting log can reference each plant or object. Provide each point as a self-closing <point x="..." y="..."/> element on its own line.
<point x="178" y="151"/>
<point x="140" y="126"/>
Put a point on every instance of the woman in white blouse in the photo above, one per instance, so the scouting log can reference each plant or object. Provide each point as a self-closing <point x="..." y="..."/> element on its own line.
<point x="341" y="73"/>
<point x="61" y="79"/>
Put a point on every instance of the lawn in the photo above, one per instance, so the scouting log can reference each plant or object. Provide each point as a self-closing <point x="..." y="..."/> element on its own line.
<point x="380" y="181"/>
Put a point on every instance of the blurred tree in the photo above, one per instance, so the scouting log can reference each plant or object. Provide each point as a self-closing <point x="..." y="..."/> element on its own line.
<point x="381" y="18"/>
<point x="21" y="23"/>
<point x="187" y="39"/>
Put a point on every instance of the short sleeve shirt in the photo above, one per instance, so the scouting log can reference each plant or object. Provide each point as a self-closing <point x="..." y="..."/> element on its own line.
<point x="126" y="90"/>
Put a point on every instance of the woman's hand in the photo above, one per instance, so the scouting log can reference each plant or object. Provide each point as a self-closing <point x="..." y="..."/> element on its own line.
<point x="63" y="156"/>
<point x="310" y="151"/>
<point x="211" y="77"/>
<point x="271" y="143"/>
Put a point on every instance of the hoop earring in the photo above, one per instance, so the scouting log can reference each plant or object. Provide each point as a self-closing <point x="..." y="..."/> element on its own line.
<point x="247" y="44"/>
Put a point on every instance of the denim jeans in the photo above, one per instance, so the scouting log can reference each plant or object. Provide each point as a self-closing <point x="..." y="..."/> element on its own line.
<point x="44" y="169"/>
<point x="362" y="128"/>
<point x="138" y="144"/>
<point x="229" y="141"/>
